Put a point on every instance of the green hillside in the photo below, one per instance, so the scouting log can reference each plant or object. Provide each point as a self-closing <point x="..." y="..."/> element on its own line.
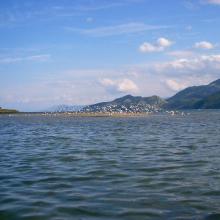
<point x="129" y="104"/>
<point x="211" y="102"/>
<point x="7" y="111"/>
<point x="190" y="97"/>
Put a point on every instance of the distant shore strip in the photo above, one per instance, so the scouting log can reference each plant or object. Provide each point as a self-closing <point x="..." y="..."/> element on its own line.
<point x="92" y="114"/>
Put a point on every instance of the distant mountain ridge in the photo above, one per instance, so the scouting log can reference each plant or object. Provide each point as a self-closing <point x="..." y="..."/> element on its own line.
<point x="195" y="97"/>
<point x="128" y="104"/>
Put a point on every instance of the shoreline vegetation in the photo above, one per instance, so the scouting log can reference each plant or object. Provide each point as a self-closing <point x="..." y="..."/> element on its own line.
<point x="76" y="114"/>
<point x="95" y="114"/>
<point x="8" y="111"/>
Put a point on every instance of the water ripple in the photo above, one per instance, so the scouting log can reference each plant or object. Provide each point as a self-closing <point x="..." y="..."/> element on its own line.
<point x="154" y="167"/>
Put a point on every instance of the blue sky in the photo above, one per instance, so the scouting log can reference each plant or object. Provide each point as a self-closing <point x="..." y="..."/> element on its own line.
<point x="85" y="51"/>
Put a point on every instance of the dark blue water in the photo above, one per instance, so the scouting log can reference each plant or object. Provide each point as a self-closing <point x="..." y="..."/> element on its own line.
<point x="154" y="167"/>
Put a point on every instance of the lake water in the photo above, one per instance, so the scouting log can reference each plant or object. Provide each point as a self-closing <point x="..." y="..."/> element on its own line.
<point x="154" y="167"/>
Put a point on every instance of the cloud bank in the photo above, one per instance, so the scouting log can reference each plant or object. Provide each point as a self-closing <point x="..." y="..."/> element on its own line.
<point x="214" y="2"/>
<point x="204" y="45"/>
<point x="122" y="85"/>
<point x="161" y="44"/>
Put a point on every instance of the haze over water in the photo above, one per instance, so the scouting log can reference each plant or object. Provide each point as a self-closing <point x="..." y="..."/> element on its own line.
<point x="154" y="167"/>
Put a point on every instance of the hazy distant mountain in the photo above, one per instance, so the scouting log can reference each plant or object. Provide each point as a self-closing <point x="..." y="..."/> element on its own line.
<point x="195" y="97"/>
<point x="128" y="103"/>
<point x="190" y="97"/>
<point x="65" y="108"/>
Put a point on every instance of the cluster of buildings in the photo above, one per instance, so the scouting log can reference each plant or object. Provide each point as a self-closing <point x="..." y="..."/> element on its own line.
<point x="114" y="108"/>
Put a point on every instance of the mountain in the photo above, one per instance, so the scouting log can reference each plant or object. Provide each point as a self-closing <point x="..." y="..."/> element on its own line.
<point x="190" y="97"/>
<point x="195" y="97"/>
<point x="210" y="102"/>
<point x="128" y="104"/>
<point x="65" y="108"/>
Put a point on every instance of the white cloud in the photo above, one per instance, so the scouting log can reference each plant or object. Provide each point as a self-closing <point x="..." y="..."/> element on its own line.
<point x="182" y="53"/>
<point x="160" y="45"/>
<point x="174" y="85"/>
<point x="214" y="2"/>
<point x="83" y="86"/>
<point x="202" y="63"/>
<point x="122" y="85"/>
<point x="163" y="42"/>
<point x="107" y="82"/>
<point x="126" y="85"/>
<point x="36" y="58"/>
<point x="127" y="28"/>
<point x="178" y="74"/>
<point x="204" y="45"/>
<point x="211" y="58"/>
<point x="147" y="48"/>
